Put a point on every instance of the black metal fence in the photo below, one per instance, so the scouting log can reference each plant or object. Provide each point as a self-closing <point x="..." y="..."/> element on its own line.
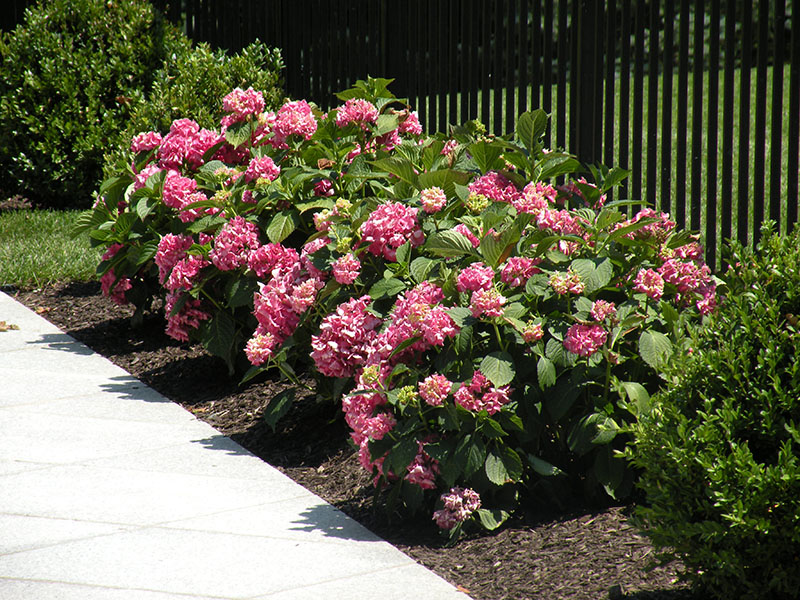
<point x="700" y="99"/>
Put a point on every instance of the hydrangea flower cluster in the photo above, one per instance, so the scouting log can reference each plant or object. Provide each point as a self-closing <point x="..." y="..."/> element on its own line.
<point x="417" y="313"/>
<point x="188" y="317"/>
<point x="535" y="198"/>
<point x="518" y="269"/>
<point x="488" y="302"/>
<point x="262" y="168"/>
<point x="293" y="118"/>
<point x="179" y="192"/>
<point x="171" y="249"/>
<point x="480" y="395"/>
<point x="475" y="277"/>
<point x="459" y="504"/>
<point x="390" y="226"/>
<point x="532" y="332"/>
<point x="186" y="144"/>
<point x="433" y="199"/>
<point x="423" y="470"/>
<point x="585" y="340"/>
<point x="346" y="269"/>
<point x="601" y="309"/>
<point x="234" y="243"/>
<point x="494" y="186"/>
<point x="243" y="103"/>
<point x="566" y="283"/>
<point x="358" y="112"/>
<point x="649" y="282"/>
<point x="434" y="389"/>
<point x="114" y="287"/>
<point x="345" y="338"/>
<point x="146" y="141"/>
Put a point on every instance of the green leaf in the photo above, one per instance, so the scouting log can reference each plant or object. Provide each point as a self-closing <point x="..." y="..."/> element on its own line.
<point x="511" y="461"/>
<point x="147" y="252"/>
<point x="655" y="348"/>
<point x="401" y="455"/>
<point x="420" y="267"/>
<point x="546" y="372"/>
<point x="595" y="273"/>
<point x="144" y="207"/>
<point x="544" y="468"/>
<point x="498" y="367"/>
<point x="638" y="395"/>
<point x="278" y="406"/>
<point x="460" y="315"/>
<point x="492" y="519"/>
<point x="614" y="176"/>
<point x="403" y="254"/>
<point x="492" y="429"/>
<point x="281" y="226"/>
<point x="386" y="123"/>
<point x="449" y="243"/>
<point x="314" y="204"/>
<point x="491" y="250"/>
<point x="609" y="470"/>
<point x="445" y="179"/>
<point x="486" y="155"/>
<point x="562" y="397"/>
<point x="218" y="336"/>
<point x="495" y="470"/>
<point x="556" y="164"/>
<point x="386" y="288"/>
<point x="240" y="291"/>
<point x="399" y="167"/>
<point x="530" y="128"/>
<point x="238" y="133"/>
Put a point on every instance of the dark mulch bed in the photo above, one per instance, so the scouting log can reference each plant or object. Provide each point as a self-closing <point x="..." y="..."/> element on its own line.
<point x="589" y="553"/>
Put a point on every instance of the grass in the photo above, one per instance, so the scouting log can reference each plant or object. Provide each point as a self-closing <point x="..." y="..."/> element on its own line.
<point x="36" y="249"/>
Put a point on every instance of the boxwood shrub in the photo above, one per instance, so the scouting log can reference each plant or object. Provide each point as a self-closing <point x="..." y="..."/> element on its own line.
<point x="720" y="452"/>
<point x="70" y="75"/>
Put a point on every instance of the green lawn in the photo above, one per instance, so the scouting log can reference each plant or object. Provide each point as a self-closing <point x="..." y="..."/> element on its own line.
<point x="36" y="249"/>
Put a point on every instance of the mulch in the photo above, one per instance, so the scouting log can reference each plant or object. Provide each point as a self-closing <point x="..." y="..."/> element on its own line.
<point x="585" y="553"/>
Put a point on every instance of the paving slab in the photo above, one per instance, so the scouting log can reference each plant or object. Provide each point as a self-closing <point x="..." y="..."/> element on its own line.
<point x="109" y="491"/>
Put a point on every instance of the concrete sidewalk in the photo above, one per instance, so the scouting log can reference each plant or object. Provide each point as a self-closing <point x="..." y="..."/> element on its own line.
<point x="109" y="491"/>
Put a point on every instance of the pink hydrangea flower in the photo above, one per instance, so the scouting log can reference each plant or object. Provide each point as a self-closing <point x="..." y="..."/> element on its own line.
<point x="344" y="339"/>
<point x="535" y="198"/>
<point x="142" y="176"/>
<point x="481" y="395"/>
<point x="434" y="389"/>
<point x="187" y="318"/>
<point x="449" y="147"/>
<point x="185" y="272"/>
<point x="459" y="504"/>
<point x="171" y="249"/>
<point x="114" y="288"/>
<point x="390" y="226"/>
<point x="585" y="340"/>
<point x="532" y="332"/>
<point x="346" y="269"/>
<point x="357" y="111"/>
<point x="518" y="269"/>
<point x="433" y="199"/>
<point x="304" y="294"/>
<point x="242" y="103"/>
<point x="649" y="282"/>
<point x="423" y="470"/>
<point x="293" y="118"/>
<point x="262" y="168"/>
<point x="559" y="221"/>
<point x="146" y="141"/>
<point x="324" y="187"/>
<point x="602" y="309"/>
<point x="660" y="229"/>
<point x="260" y="347"/>
<point x="199" y="144"/>
<point x="488" y="302"/>
<point x="475" y="277"/>
<point x="234" y="243"/>
<point x="177" y="143"/>
<point x="265" y="259"/>
<point x="495" y="186"/>
<point x="566" y="283"/>
<point x="409" y="123"/>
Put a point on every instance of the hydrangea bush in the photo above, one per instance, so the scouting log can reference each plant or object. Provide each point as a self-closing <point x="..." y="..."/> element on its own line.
<point x="490" y="334"/>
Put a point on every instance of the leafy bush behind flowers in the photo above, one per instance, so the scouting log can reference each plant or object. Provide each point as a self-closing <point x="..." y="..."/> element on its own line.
<point x="490" y="335"/>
